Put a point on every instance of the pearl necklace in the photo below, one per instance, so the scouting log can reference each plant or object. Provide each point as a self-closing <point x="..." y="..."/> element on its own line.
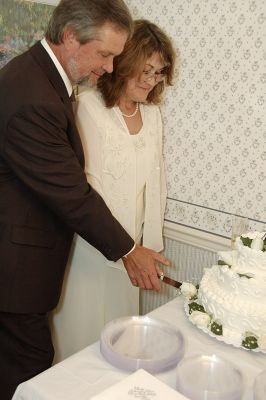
<point x="133" y="114"/>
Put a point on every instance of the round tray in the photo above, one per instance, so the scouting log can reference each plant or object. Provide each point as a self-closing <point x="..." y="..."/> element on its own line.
<point x="218" y="337"/>
<point x="214" y="377"/>
<point x="131" y="343"/>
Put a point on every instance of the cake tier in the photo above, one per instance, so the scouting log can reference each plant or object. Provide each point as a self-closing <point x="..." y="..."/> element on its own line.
<point x="245" y="260"/>
<point x="236" y="302"/>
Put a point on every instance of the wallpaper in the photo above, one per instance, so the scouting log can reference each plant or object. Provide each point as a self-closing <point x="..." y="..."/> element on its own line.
<point x="215" y="115"/>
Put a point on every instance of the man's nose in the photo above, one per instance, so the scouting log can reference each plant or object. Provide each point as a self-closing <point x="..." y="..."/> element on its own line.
<point x="108" y="66"/>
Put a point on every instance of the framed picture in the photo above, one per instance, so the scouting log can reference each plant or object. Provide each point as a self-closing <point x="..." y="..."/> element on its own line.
<point x="22" y="23"/>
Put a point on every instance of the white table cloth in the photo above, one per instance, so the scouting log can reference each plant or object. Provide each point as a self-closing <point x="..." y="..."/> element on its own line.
<point x="86" y="373"/>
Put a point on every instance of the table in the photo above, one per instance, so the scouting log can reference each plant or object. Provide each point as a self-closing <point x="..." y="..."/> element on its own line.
<point x="86" y="373"/>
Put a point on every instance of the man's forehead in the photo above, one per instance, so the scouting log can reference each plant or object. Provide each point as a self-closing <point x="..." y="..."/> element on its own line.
<point x="109" y="28"/>
<point x="110" y="38"/>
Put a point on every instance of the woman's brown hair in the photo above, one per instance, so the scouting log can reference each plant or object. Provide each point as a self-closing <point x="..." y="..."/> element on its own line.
<point x="147" y="39"/>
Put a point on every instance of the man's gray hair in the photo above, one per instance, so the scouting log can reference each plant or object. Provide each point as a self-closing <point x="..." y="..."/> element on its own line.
<point x="85" y="17"/>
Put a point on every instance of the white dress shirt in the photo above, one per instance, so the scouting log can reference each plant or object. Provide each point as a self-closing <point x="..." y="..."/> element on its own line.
<point x="59" y="67"/>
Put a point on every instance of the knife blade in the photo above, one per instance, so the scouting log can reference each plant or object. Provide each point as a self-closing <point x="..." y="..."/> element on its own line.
<point x="169" y="281"/>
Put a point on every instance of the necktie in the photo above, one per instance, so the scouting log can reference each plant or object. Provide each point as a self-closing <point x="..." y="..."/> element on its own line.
<point x="73" y="102"/>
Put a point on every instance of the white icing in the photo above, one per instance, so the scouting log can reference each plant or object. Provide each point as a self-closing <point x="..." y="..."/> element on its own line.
<point x="237" y="302"/>
<point x="245" y="260"/>
<point x="262" y="342"/>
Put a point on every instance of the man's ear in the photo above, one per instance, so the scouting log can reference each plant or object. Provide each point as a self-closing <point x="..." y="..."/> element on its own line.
<point x="69" y="39"/>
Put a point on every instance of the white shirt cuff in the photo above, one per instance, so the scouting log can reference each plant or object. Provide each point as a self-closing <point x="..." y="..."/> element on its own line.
<point x="130" y="251"/>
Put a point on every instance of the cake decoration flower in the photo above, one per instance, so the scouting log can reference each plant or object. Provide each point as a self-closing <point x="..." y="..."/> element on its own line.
<point x="188" y="289"/>
<point x="254" y="240"/>
<point x="200" y="318"/>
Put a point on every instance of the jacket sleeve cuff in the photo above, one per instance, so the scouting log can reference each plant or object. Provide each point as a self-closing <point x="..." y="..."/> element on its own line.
<point x="130" y="251"/>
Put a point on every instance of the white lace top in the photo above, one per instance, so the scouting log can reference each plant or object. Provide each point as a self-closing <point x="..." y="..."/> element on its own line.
<point x="127" y="170"/>
<point x="140" y="147"/>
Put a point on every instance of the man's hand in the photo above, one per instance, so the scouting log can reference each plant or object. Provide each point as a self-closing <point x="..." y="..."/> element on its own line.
<point x="143" y="269"/>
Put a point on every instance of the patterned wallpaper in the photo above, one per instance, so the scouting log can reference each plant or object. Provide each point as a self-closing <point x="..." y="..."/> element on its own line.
<point x="215" y="115"/>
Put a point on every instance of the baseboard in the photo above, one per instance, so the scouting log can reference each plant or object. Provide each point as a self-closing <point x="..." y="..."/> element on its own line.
<point x="195" y="237"/>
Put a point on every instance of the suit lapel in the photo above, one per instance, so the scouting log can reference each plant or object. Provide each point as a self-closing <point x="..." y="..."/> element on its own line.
<point x="42" y="58"/>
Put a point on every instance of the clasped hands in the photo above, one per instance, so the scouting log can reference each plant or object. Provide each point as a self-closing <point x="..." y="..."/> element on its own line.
<point x="142" y="266"/>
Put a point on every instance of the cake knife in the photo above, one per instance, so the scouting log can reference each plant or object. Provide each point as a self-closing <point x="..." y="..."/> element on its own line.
<point x="169" y="281"/>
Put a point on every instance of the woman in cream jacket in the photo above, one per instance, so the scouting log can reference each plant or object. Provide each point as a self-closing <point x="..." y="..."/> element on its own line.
<point x="121" y="131"/>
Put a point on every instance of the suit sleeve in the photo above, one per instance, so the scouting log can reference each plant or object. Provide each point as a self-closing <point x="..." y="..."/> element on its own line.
<point x="39" y="151"/>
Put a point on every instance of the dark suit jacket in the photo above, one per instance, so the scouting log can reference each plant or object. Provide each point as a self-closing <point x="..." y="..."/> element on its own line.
<point x="44" y="195"/>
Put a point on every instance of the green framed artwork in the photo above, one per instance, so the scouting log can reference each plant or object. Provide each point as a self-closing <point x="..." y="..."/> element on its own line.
<point x="22" y="23"/>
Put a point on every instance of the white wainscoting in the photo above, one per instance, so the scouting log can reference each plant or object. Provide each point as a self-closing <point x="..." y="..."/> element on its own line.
<point x="190" y="251"/>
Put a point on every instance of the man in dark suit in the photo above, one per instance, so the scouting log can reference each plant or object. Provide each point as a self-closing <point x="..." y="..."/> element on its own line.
<point x="44" y="195"/>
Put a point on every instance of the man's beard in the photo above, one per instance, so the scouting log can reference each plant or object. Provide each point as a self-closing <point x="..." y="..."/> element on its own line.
<point x="86" y="83"/>
<point x="83" y="81"/>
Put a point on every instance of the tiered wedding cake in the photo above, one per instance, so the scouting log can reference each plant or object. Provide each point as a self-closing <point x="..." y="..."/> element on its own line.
<point x="231" y="299"/>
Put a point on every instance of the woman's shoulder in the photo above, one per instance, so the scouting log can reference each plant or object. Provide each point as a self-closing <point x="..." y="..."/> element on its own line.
<point x="153" y="108"/>
<point x="152" y="111"/>
<point x="92" y="97"/>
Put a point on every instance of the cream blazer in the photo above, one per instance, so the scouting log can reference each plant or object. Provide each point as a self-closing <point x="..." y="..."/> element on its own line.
<point x="110" y="163"/>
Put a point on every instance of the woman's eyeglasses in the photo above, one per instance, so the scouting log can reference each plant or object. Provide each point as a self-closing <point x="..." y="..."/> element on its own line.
<point x="158" y="76"/>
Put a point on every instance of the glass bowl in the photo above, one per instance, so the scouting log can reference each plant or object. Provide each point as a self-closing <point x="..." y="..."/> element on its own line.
<point x="132" y="343"/>
<point x="208" y="377"/>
